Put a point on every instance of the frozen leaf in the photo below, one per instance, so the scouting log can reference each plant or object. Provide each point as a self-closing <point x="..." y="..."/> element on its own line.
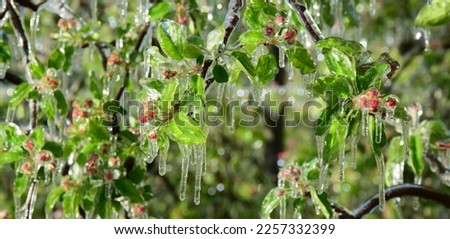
<point x="184" y="130"/>
<point x="251" y="40"/>
<point x="171" y="38"/>
<point x="371" y="75"/>
<point x="266" y="68"/>
<point x="416" y="154"/>
<point x="438" y="13"/>
<point x="336" y="84"/>
<point x="127" y="189"/>
<point x="245" y="62"/>
<point x="168" y="95"/>
<point x="160" y="10"/>
<point x="52" y="198"/>
<point x="301" y="59"/>
<point x="220" y="74"/>
<point x="38" y="137"/>
<point x="335" y="139"/>
<point x="56" y="59"/>
<point x="351" y="48"/>
<point x="53" y="147"/>
<point x="322" y="202"/>
<point x="270" y="202"/>
<point x="20" y="94"/>
<point x="339" y="63"/>
<point x="214" y="38"/>
<point x="61" y="103"/>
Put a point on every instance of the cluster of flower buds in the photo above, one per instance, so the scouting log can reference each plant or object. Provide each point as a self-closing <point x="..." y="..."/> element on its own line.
<point x="146" y="116"/>
<point x="181" y="14"/>
<point x="281" y="31"/>
<point x="113" y="162"/>
<point x="66" y="24"/>
<point x="291" y="174"/>
<point x="91" y="165"/>
<point x="137" y="209"/>
<point x="80" y="110"/>
<point x="114" y="59"/>
<point x="27" y="168"/>
<point x="169" y="74"/>
<point x="153" y="136"/>
<point x="43" y="157"/>
<point x="370" y="100"/>
<point x="49" y="81"/>
<point x="67" y="183"/>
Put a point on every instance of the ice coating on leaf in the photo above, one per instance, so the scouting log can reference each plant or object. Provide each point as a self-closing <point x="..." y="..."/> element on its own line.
<point x="142" y="11"/>
<point x="162" y="157"/>
<point x="10" y="112"/>
<point x="381" y="171"/>
<point x="152" y="151"/>
<point x="186" y="152"/>
<point x="290" y="71"/>
<point x="283" y="207"/>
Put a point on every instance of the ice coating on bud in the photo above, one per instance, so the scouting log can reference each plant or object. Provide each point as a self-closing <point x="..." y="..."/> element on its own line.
<point x="29" y="145"/>
<point x="153" y="136"/>
<point x="113" y="161"/>
<point x="44" y="157"/>
<point x="109" y="176"/>
<point x="269" y="31"/>
<point x="280" y="19"/>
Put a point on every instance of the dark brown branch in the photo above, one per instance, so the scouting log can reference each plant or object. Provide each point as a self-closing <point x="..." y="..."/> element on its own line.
<point x="28" y="4"/>
<point x="12" y="78"/>
<point x="18" y="26"/>
<point x="230" y="24"/>
<point x="306" y="20"/>
<point x="402" y="191"/>
<point x="3" y="14"/>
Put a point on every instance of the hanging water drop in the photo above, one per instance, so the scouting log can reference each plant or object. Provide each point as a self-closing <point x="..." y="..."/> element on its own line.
<point x="198" y="172"/>
<point x="378" y="128"/>
<point x="426" y="39"/>
<point x="320" y="145"/>
<point x="186" y="152"/>
<point x="380" y="166"/>
<point x="365" y="121"/>
<point x="354" y="149"/>
<point x="162" y="157"/>
<point x="281" y="56"/>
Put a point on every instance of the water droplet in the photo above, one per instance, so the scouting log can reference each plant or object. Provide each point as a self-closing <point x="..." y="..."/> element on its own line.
<point x="381" y="170"/>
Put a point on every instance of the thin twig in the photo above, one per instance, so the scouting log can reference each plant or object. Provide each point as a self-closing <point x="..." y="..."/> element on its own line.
<point x="18" y="26"/>
<point x="402" y="191"/>
<point x="12" y="78"/>
<point x="28" y="4"/>
<point x="230" y="24"/>
<point x="306" y="19"/>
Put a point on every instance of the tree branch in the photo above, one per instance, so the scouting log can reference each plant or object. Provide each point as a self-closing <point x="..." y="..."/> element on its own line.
<point x="28" y="4"/>
<point x="12" y="78"/>
<point x="17" y="24"/>
<point x="306" y="19"/>
<point x="402" y="191"/>
<point x="230" y="23"/>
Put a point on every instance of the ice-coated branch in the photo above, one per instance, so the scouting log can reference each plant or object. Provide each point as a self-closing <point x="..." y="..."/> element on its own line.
<point x="306" y="19"/>
<point x="230" y="23"/>
<point x="12" y="78"/>
<point x="398" y="191"/>
<point x="18" y="26"/>
<point x="28" y="4"/>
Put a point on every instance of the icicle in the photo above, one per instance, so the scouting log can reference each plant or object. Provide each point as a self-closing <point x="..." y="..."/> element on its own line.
<point x="283" y="207"/>
<point x="378" y="128"/>
<point x="365" y="121"/>
<point x="290" y="70"/>
<point x="10" y="112"/>
<point x="123" y="10"/>
<point x="220" y="92"/>
<point x="405" y="129"/>
<point x="380" y="166"/>
<point x="152" y="150"/>
<point x="323" y="177"/>
<point x="162" y="157"/>
<point x="416" y="203"/>
<point x="185" y="157"/>
<point x="3" y="69"/>
<point x="51" y="128"/>
<point x="426" y="39"/>
<point x="372" y="8"/>
<point x="203" y="151"/>
<point x="31" y="201"/>
<point x="320" y="145"/>
<point x="18" y="206"/>
<point x="256" y="92"/>
<point x="142" y="12"/>
<point x="147" y="64"/>
<point x="281" y="60"/>
<point x="231" y="91"/>
<point x="198" y="172"/>
<point x="34" y="26"/>
<point x="94" y="12"/>
<point x="341" y="158"/>
<point x="354" y="149"/>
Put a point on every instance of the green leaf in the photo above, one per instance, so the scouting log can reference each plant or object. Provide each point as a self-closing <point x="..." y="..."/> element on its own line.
<point x="68" y="51"/>
<point x="301" y="59"/>
<point x="48" y="107"/>
<point x="351" y="48"/>
<point x="377" y="146"/>
<point x="20" y="185"/>
<point x="127" y="189"/>
<point x="102" y="204"/>
<point x="438" y="13"/>
<point x="438" y="131"/>
<point x="335" y="139"/>
<point x="70" y="203"/>
<point x="11" y="156"/>
<point x="20" y="94"/>
<point x="95" y="87"/>
<point x="270" y="202"/>
<point x="56" y="59"/>
<point x="251" y="40"/>
<point x="416" y="154"/>
<point x="324" y="121"/>
<point x="97" y="131"/>
<point x="136" y="175"/>
<point x="198" y="86"/>
<point x="151" y="83"/>
<point x="191" y="51"/>
<point x="168" y="95"/>
<point x="254" y="18"/>
<point x="220" y="74"/>
<point x="397" y="156"/>
<point x="61" y="103"/>
<point x="171" y="38"/>
<point x="372" y="75"/>
<point x="38" y="136"/>
<point x="53" y="198"/>
<point x="214" y="39"/>
<point x="245" y="61"/>
<point x="339" y="63"/>
<point x="14" y="135"/>
<point x="266" y="68"/>
<point x="54" y="147"/>
<point x="5" y="52"/>
<point x="400" y="113"/>
<point x="337" y="85"/>
<point x="313" y="174"/>
<point x="128" y="135"/>
<point x="160" y="10"/>
<point x="322" y="202"/>
<point x="37" y="69"/>
<point x="184" y="130"/>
